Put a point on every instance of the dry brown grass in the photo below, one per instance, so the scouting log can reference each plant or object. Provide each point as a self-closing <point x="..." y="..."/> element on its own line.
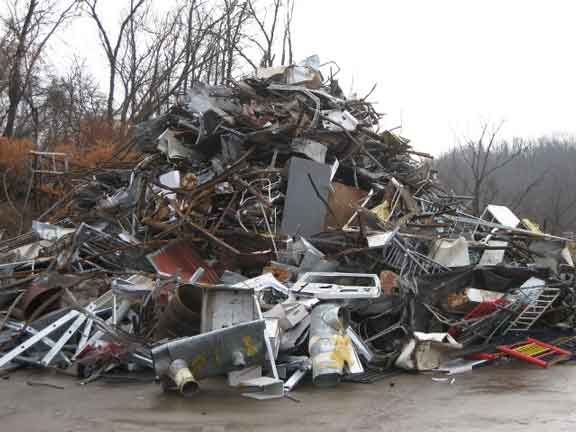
<point x="14" y="167"/>
<point x="14" y="154"/>
<point x="97" y="144"/>
<point x="90" y="157"/>
<point x="14" y="178"/>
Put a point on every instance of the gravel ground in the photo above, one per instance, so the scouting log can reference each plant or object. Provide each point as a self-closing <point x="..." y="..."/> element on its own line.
<point x="513" y="397"/>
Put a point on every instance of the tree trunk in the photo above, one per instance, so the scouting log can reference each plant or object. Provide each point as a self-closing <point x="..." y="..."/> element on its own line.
<point x="111" y="88"/>
<point x="14" y="90"/>
<point x="476" y="201"/>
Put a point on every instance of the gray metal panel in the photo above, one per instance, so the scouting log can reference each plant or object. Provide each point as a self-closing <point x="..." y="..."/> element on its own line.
<point x="226" y="307"/>
<point x="304" y="212"/>
<point x="216" y="352"/>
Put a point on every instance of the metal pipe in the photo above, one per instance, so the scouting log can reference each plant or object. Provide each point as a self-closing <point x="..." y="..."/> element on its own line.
<point x="329" y="348"/>
<point x="180" y="374"/>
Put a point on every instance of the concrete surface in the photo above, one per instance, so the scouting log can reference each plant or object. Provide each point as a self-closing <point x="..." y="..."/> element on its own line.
<point x="513" y="397"/>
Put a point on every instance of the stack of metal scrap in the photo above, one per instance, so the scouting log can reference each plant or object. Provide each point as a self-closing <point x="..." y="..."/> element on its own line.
<point x="269" y="232"/>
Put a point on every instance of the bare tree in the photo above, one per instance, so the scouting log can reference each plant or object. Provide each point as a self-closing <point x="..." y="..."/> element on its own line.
<point x="287" y="48"/>
<point x="483" y="158"/>
<point x="236" y="15"/>
<point x="537" y="184"/>
<point x="268" y="24"/>
<point x="31" y="27"/>
<point x="68" y="103"/>
<point x="561" y="200"/>
<point x="112" y="47"/>
<point x="150" y="58"/>
<point x="535" y="176"/>
<point x="163" y="55"/>
<point x="154" y="57"/>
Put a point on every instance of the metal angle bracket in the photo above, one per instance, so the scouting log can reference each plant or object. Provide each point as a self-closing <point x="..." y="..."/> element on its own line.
<point x="86" y="331"/>
<point x="118" y="313"/>
<point x="47" y="359"/>
<point x="30" y="342"/>
<point x="265" y="388"/>
<point x="32" y="331"/>
<point x="361" y="347"/>
<point x="92" y="307"/>
<point x="295" y="378"/>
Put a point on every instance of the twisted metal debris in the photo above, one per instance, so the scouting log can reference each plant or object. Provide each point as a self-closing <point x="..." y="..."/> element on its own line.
<point x="258" y="208"/>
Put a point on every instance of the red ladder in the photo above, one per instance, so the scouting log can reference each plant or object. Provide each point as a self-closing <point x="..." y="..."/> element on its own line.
<point x="536" y="352"/>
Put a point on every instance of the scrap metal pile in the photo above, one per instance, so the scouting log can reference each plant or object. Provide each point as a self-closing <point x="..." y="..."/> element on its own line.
<point x="268" y="231"/>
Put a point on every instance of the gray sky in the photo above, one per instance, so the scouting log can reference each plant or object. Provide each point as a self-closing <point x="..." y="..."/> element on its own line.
<point x="442" y="67"/>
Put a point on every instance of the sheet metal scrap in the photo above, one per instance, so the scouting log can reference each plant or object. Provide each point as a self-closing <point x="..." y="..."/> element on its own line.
<point x="272" y="198"/>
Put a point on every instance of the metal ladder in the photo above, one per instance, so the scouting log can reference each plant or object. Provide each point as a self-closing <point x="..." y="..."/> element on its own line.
<point x="536" y="352"/>
<point x="534" y="310"/>
<point x="48" y="162"/>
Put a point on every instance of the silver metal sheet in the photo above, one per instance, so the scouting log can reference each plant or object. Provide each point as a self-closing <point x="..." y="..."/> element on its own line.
<point x="451" y="252"/>
<point x="494" y="256"/>
<point x="226" y="307"/>
<point x="264" y="388"/>
<point x="503" y="215"/>
<point x="328" y="286"/>
<point x="258" y="283"/>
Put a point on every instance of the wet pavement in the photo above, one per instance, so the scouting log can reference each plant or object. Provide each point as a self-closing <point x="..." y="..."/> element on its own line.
<point x="512" y="397"/>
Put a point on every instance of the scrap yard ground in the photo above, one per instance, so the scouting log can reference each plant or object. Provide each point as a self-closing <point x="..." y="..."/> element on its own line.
<point x="201" y="230"/>
<point x="511" y="397"/>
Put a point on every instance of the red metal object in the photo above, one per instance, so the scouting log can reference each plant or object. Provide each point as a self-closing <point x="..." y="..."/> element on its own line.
<point x="485" y="308"/>
<point x="536" y="352"/>
<point x="550" y="346"/>
<point x="483" y="356"/>
<point x="181" y="258"/>
<point x="103" y="350"/>
<point x="482" y="309"/>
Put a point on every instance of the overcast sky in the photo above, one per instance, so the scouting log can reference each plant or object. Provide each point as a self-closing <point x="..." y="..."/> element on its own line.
<point x="441" y="67"/>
